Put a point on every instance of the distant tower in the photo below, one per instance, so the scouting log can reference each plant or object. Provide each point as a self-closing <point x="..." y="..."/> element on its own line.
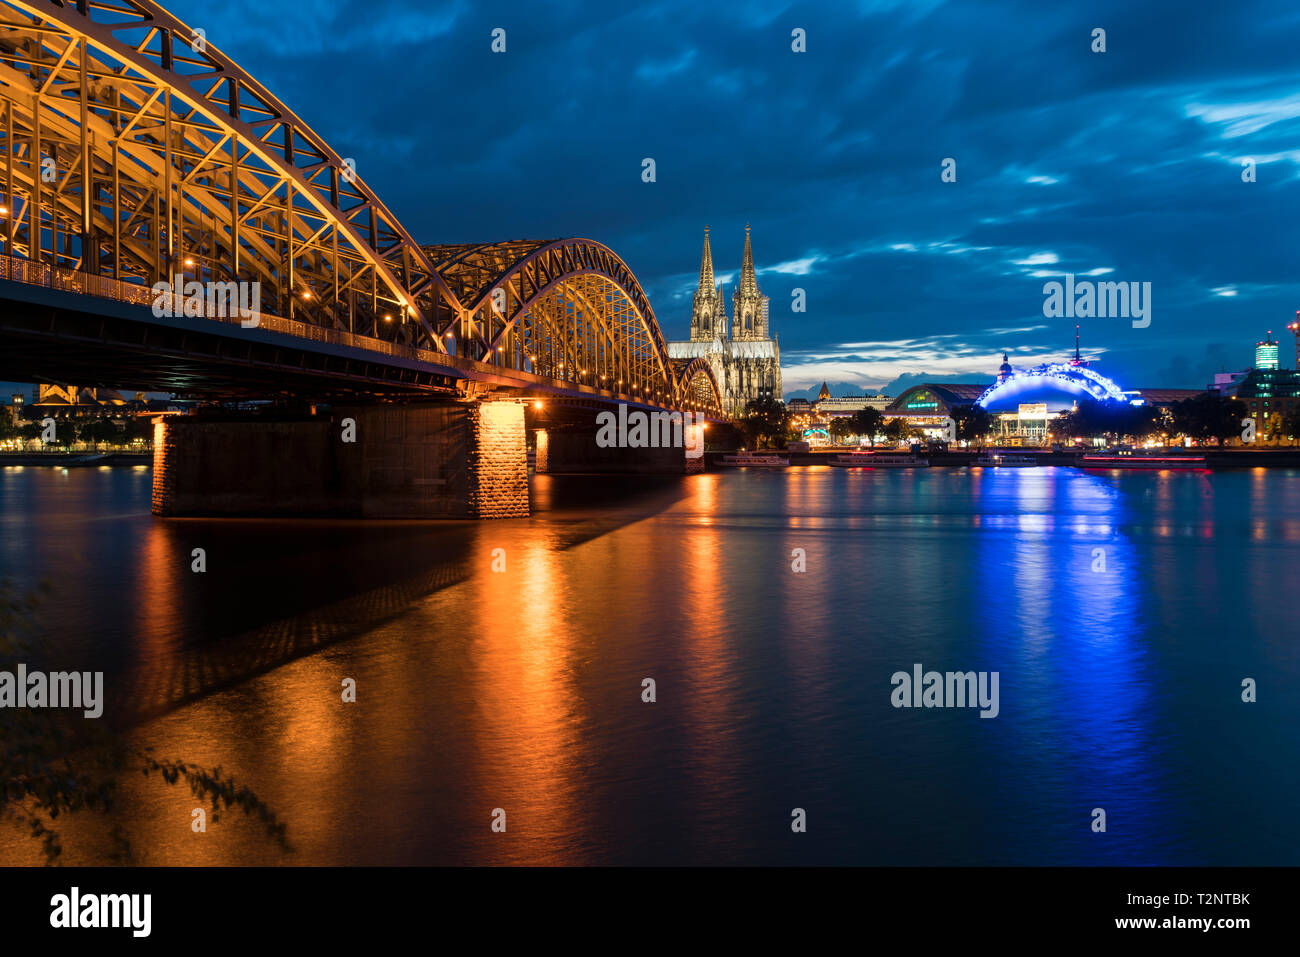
<point x="1078" y="358"/>
<point x="748" y="315"/>
<point x="1005" y="371"/>
<point x="825" y="393"/>
<point x="708" y="309"/>
<point x="1266" y="353"/>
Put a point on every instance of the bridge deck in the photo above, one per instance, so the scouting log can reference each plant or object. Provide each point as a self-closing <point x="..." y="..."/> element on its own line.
<point x="62" y="326"/>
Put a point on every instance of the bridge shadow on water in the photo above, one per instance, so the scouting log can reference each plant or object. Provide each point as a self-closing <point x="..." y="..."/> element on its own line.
<point x="274" y="591"/>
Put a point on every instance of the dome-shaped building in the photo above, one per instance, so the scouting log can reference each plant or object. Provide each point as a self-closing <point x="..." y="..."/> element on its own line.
<point x="1057" y="385"/>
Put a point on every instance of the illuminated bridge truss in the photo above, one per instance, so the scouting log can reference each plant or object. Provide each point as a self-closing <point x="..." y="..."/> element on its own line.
<point x="697" y="387"/>
<point x="163" y="158"/>
<point x="135" y="152"/>
<point x="562" y="309"/>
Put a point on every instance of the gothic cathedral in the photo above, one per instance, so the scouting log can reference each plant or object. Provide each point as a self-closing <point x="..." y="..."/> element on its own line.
<point x="746" y="359"/>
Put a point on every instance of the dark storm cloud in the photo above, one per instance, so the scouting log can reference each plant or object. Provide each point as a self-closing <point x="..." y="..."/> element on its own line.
<point x="1125" y="165"/>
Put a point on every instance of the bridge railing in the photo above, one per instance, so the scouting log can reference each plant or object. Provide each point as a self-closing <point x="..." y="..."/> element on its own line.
<point x="70" y="280"/>
<point x="103" y="287"/>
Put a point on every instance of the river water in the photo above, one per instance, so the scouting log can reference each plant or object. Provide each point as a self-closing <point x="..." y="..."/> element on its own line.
<point x="1120" y="611"/>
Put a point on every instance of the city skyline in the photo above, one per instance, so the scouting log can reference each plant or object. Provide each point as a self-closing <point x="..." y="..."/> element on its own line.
<point x="1067" y="160"/>
<point x="408" y="485"/>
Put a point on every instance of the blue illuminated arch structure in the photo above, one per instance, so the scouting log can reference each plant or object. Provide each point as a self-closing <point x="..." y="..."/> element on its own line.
<point x="1076" y="379"/>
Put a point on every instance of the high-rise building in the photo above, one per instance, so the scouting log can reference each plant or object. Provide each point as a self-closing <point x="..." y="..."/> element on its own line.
<point x="745" y="357"/>
<point x="1266" y="354"/>
<point x="1271" y="396"/>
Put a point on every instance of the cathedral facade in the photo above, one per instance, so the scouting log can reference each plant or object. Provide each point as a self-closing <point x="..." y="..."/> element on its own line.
<point x="745" y="357"/>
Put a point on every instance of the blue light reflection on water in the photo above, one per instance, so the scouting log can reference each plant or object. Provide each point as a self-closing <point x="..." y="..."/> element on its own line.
<point x="1119" y="689"/>
<point x="1063" y="579"/>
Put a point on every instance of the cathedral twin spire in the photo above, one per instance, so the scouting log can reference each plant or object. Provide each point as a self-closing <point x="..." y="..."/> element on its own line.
<point x="709" y="312"/>
<point x="706" y="264"/>
<point x="748" y="317"/>
<point x="746" y="363"/>
<point x="748" y="279"/>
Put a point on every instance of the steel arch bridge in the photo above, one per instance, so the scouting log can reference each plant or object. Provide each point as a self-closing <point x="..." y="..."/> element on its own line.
<point x="697" y="384"/>
<point x="566" y="309"/>
<point x="137" y="153"/>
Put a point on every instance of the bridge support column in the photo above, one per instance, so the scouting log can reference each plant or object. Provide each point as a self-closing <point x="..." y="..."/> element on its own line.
<point x="498" y="461"/>
<point x="542" y="461"/>
<point x="438" y="460"/>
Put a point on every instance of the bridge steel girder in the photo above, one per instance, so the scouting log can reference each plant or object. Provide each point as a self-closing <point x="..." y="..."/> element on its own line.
<point x="56" y="336"/>
<point x="697" y="386"/>
<point x="171" y="159"/>
<point x="523" y="295"/>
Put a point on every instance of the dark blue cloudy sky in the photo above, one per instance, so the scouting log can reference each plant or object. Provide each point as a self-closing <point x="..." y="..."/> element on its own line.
<point x="1125" y="164"/>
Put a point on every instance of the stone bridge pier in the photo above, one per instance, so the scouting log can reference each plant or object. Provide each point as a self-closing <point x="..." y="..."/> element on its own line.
<point x="442" y="459"/>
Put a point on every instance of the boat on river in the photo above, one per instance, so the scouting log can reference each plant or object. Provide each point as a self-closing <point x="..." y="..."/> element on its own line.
<point x="1005" y="460"/>
<point x="1142" y="460"/>
<point x="878" y="460"/>
<point x="754" y="460"/>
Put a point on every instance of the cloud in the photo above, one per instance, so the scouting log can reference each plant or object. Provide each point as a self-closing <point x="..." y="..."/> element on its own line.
<point x="661" y="70"/>
<point x="1039" y="259"/>
<point x="1067" y="161"/>
<point x="795" y="267"/>
<point x="1242" y="119"/>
